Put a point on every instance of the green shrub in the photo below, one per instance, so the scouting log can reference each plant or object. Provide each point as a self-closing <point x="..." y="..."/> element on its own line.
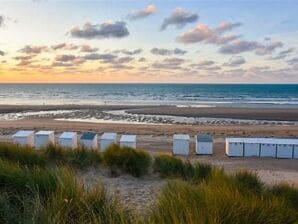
<point x="132" y="161"/>
<point x="23" y="155"/>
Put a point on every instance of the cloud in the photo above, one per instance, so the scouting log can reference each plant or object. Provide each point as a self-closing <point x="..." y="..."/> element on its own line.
<point x="268" y="49"/>
<point x="105" y="30"/>
<point x="226" y="26"/>
<point x="239" y="46"/>
<point x="29" y="49"/>
<point x="1" y="20"/>
<point x="164" y="52"/>
<point x="283" y="54"/>
<point x="129" y="52"/>
<point x="64" y="46"/>
<point x="235" y="61"/>
<point x="65" y="57"/>
<point x="2" y="53"/>
<point x="179" y="18"/>
<point x="88" y="49"/>
<point x="169" y="63"/>
<point x="203" y="33"/>
<point x="139" y="14"/>
<point x="142" y="59"/>
<point x="205" y="63"/>
<point x="104" y="57"/>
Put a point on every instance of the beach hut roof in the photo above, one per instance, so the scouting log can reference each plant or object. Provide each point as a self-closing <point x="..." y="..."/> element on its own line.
<point x="264" y="140"/>
<point x="204" y="138"/>
<point x="68" y="135"/>
<point x="44" y="132"/>
<point x="181" y="137"/>
<point x="128" y="138"/>
<point x="108" y="136"/>
<point x="23" y="133"/>
<point x="88" y="136"/>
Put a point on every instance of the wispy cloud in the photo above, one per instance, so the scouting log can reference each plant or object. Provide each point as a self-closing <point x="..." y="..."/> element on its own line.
<point x="179" y="18"/>
<point x="166" y="52"/>
<point x="142" y="13"/>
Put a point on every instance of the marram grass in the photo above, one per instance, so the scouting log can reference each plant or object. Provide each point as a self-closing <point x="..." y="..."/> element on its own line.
<point x="40" y="186"/>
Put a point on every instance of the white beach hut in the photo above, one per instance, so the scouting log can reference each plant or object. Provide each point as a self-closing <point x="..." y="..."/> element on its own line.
<point x="23" y="137"/>
<point x="234" y="147"/>
<point x="107" y="139"/>
<point x="129" y="141"/>
<point x="181" y="144"/>
<point x="89" y="140"/>
<point x="284" y="148"/>
<point x="268" y="147"/>
<point x="68" y="140"/>
<point x="295" y="154"/>
<point x="204" y="145"/>
<point x="44" y="138"/>
<point x="251" y="147"/>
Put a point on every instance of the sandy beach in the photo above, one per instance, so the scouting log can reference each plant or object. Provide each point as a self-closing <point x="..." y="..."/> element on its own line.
<point x="157" y="138"/>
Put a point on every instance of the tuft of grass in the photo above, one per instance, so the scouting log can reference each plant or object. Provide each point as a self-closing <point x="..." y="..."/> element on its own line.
<point x="248" y="182"/>
<point x="169" y="166"/>
<point x="22" y="154"/>
<point x="132" y="161"/>
<point x="287" y="192"/>
<point x="218" y="201"/>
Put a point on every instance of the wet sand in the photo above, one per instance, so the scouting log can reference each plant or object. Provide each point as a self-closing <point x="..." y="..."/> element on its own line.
<point x="277" y="114"/>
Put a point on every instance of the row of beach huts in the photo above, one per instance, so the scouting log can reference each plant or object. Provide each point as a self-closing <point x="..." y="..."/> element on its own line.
<point x="235" y="147"/>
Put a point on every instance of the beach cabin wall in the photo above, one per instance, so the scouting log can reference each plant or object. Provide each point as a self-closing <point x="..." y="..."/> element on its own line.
<point x="284" y="150"/>
<point x="181" y="144"/>
<point x="268" y="148"/>
<point x="204" y="145"/>
<point x="128" y="141"/>
<point x="251" y="147"/>
<point x="295" y="154"/>
<point x="68" y="140"/>
<point x="44" y="138"/>
<point x="107" y="139"/>
<point x="234" y="147"/>
<point x="23" y="138"/>
<point x="89" y="140"/>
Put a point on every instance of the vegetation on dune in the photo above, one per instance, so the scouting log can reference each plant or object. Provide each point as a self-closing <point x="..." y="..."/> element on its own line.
<point x="39" y="186"/>
<point x="134" y="162"/>
<point x="169" y="166"/>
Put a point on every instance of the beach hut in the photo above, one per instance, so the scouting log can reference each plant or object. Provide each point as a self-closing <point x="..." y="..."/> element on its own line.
<point x="129" y="141"/>
<point x="23" y="137"/>
<point x="251" y="147"/>
<point x="107" y="139"/>
<point x="268" y="147"/>
<point x="284" y="148"/>
<point x="89" y="140"/>
<point x="295" y="155"/>
<point x="44" y="138"/>
<point x="234" y="147"/>
<point x="68" y="140"/>
<point x="204" y="145"/>
<point x="181" y="144"/>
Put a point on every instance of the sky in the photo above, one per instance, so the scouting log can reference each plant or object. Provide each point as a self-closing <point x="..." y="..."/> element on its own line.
<point x="51" y="41"/>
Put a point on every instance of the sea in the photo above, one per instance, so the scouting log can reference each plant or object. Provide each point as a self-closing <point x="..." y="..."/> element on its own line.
<point x="181" y="95"/>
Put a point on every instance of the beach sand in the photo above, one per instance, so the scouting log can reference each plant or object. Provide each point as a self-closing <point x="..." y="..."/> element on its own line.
<point x="158" y="139"/>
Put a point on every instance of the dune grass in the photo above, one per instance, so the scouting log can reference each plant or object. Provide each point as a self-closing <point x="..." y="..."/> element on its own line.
<point x="40" y="186"/>
<point x="169" y="166"/>
<point x="134" y="162"/>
